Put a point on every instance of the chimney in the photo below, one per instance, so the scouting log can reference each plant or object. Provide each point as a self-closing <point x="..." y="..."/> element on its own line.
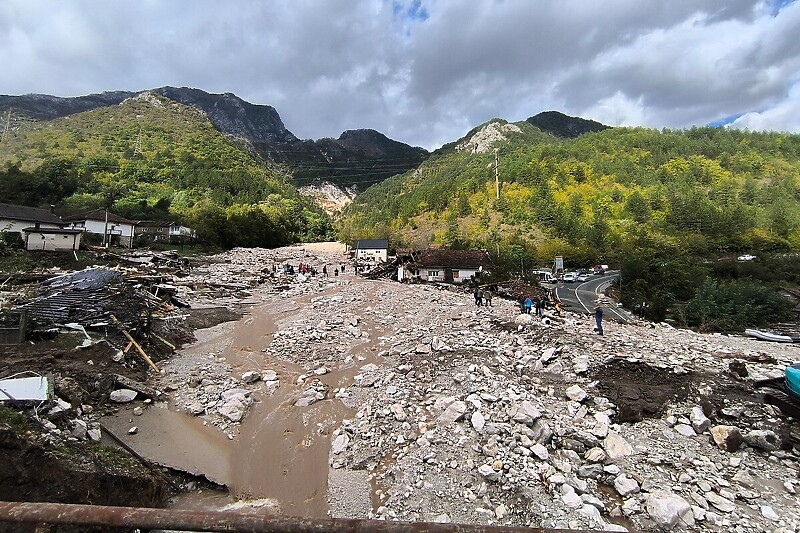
<point x="53" y="208"/>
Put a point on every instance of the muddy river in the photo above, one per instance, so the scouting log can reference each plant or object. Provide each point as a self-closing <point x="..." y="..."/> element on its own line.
<point x="280" y="456"/>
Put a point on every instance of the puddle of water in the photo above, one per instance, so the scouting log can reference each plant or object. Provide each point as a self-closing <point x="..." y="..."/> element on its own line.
<point x="176" y="440"/>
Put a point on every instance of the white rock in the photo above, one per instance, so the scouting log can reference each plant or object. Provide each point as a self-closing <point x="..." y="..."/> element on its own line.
<point x="269" y="375"/>
<point x="769" y="513"/>
<point x="122" y="395"/>
<point x="79" y="429"/>
<point x="250" y="377"/>
<point x="595" y="455"/>
<point x="340" y="443"/>
<point x="94" y="434"/>
<point x="454" y="412"/>
<point x="500" y="511"/>
<point x="572" y="500"/>
<point x="488" y="472"/>
<point x="195" y="408"/>
<point x="478" y="421"/>
<point x="700" y="421"/>
<point x="138" y="411"/>
<point x="669" y="510"/>
<point x="616" y="446"/>
<point x="626" y="486"/>
<point x="540" y="452"/>
<point x="722" y="504"/>
<point x="133" y="430"/>
<point x="576" y="393"/>
<point x="685" y="429"/>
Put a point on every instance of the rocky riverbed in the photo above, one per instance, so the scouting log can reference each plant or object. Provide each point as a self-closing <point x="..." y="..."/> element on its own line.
<point x="422" y="406"/>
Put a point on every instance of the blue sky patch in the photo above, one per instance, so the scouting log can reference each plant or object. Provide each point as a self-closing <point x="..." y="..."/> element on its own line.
<point x="724" y="121"/>
<point x="411" y="12"/>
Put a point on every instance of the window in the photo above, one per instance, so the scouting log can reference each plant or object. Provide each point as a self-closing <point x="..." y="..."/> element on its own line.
<point x="433" y="273"/>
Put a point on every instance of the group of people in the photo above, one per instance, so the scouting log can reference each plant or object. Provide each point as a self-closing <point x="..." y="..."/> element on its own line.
<point x="537" y="305"/>
<point x="483" y="297"/>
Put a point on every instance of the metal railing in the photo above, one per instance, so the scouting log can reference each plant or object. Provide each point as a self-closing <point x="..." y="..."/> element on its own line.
<point x="186" y="520"/>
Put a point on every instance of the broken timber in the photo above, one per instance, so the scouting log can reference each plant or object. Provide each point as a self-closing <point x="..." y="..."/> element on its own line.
<point x="135" y="344"/>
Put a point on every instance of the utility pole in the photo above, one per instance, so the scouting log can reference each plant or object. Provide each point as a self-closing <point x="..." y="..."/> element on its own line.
<point x="496" y="175"/>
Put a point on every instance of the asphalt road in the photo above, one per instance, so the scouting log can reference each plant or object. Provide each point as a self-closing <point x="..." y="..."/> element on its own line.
<point x="581" y="297"/>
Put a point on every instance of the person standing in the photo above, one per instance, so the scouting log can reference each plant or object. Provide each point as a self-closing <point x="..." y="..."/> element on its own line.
<point x="528" y="305"/>
<point x="598" y="318"/>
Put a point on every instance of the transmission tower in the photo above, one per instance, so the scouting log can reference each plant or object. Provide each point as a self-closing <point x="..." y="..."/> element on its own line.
<point x="8" y="123"/>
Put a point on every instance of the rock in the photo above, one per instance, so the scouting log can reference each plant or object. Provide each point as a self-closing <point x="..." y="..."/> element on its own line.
<point x="454" y="412"/>
<point x="540" y="451"/>
<point x="669" y="511"/>
<point x="727" y="438"/>
<point x="133" y="430"/>
<point x="769" y="513"/>
<point x="722" y="504"/>
<point x="138" y="411"/>
<point x="269" y="375"/>
<point x="478" y="421"/>
<point x="572" y="500"/>
<point x="525" y="413"/>
<point x="340" y="443"/>
<point x="500" y="511"/>
<point x="250" y="377"/>
<point x="576" y="393"/>
<point x="595" y="455"/>
<point x="422" y="349"/>
<point x="233" y="410"/>
<point x="398" y="412"/>
<point x="763" y="439"/>
<point x="616" y="446"/>
<point x="195" y="408"/>
<point x="685" y="429"/>
<point x="122" y="395"/>
<point x="700" y="422"/>
<point x="488" y="472"/>
<point x="94" y="434"/>
<point x="626" y="486"/>
<point x="79" y="429"/>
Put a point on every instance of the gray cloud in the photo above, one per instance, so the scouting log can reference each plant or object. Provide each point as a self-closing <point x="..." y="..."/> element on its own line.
<point x="424" y="73"/>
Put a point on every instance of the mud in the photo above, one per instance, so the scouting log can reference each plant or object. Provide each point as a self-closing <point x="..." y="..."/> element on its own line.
<point x="32" y="470"/>
<point x="640" y="390"/>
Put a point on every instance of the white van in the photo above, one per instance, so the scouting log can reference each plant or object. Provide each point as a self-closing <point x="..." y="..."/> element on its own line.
<point x="545" y="276"/>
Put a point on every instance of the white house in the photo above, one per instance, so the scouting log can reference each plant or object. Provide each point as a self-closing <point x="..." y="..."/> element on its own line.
<point x="52" y="239"/>
<point x="451" y="266"/>
<point x="16" y="218"/>
<point x="119" y="230"/>
<point x="371" y="250"/>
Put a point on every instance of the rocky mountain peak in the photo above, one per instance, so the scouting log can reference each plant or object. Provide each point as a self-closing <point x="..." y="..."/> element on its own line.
<point x="562" y="125"/>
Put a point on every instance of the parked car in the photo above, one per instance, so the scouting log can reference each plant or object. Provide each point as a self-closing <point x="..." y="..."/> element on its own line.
<point x="582" y="278"/>
<point x="570" y="277"/>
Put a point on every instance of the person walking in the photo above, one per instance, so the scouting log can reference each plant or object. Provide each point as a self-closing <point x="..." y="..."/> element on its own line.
<point x="478" y="296"/>
<point x="487" y="297"/>
<point x="598" y="317"/>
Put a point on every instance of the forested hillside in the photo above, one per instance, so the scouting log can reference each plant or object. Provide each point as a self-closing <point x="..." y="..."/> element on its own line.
<point x="663" y="204"/>
<point x="150" y="157"/>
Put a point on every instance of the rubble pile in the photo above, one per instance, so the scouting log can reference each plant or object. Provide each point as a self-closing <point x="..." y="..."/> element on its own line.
<point x="460" y="414"/>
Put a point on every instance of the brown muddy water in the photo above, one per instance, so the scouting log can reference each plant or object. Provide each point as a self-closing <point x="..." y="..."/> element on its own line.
<point x="281" y="452"/>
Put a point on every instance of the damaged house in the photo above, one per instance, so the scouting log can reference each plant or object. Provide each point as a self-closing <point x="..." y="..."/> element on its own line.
<point x="441" y="265"/>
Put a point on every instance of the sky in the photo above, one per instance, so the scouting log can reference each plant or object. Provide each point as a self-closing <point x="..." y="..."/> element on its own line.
<point x="425" y="72"/>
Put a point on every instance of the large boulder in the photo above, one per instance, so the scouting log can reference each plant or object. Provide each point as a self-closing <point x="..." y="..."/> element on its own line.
<point x="669" y="511"/>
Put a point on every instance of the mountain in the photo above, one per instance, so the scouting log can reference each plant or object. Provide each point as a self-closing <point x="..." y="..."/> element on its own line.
<point x="355" y="160"/>
<point x="565" y="126"/>
<point x="152" y="157"/>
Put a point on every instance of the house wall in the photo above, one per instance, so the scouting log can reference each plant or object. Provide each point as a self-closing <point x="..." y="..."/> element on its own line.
<point x="460" y="275"/>
<point x="16" y="226"/>
<point x="372" y="254"/>
<point x="121" y="232"/>
<point x="52" y="242"/>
